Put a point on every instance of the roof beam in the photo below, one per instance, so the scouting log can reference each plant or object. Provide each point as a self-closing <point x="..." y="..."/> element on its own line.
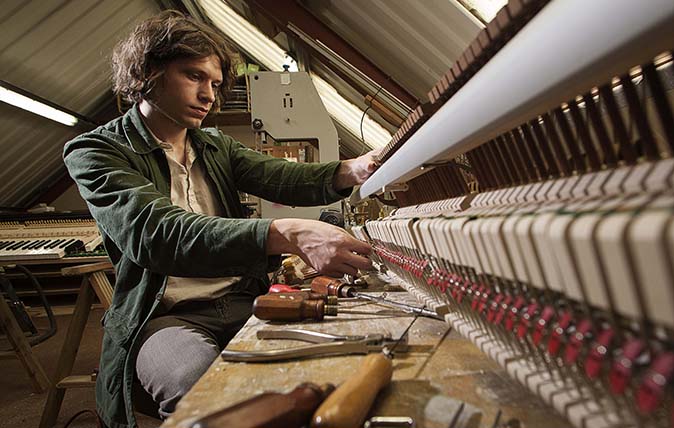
<point x="283" y="12"/>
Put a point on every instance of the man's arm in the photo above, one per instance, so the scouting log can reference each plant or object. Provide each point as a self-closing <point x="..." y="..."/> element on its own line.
<point x="327" y="248"/>
<point x="291" y="183"/>
<point x="151" y="231"/>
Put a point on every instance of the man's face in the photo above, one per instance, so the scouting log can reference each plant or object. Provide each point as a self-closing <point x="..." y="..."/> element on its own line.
<point x="186" y="91"/>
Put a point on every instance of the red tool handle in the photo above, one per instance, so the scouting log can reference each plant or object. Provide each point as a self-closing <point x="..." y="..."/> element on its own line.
<point x="282" y="288"/>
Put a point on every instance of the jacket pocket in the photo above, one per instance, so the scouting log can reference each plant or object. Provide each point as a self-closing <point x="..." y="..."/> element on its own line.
<point x="115" y="348"/>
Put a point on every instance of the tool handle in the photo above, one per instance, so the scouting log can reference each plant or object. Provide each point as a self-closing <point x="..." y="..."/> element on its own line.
<point x="348" y="406"/>
<point x="307" y="295"/>
<point x="326" y="285"/>
<point x="282" y="288"/>
<point x="270" y="409"/>
<point x="287" y="307"/>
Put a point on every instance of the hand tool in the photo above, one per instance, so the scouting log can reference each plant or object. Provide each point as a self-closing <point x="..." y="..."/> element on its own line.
<point x="290" y="308"/>
<point x="389" y="422"/>
<point x="348" y="406"/>
<point x="270" y="409"/>
<point x="335" y="287"/>
<point x="324" y="344"/>
<point x="352" y="400"/>
<point x="306" y="295"/>
<point x="283" y="288"/>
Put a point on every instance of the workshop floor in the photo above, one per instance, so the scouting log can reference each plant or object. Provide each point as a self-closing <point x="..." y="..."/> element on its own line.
<point x="20" y="407"/>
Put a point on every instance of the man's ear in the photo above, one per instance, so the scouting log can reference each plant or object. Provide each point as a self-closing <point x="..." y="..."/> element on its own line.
<point x="154" y="80"/>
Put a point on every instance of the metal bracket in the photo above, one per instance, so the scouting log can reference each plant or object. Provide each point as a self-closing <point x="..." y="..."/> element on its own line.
<point x="395" y="187"/>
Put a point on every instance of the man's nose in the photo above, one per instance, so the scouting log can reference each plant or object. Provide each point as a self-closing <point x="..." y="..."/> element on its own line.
<point x="207" y="94"/>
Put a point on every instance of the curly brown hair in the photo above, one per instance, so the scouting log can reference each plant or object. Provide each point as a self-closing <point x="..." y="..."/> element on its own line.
<point x="139" y="60"/>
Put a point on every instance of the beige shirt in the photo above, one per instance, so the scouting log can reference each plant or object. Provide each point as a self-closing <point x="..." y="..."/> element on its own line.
<point x="193" y="191"/>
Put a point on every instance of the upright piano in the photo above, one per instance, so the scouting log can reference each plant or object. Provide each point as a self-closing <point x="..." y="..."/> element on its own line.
<point x="536" y="204"/>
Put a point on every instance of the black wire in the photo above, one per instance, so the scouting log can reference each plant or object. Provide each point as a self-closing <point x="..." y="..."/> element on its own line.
<point x="362" y="118"/>
<point x="82" y="412"/>
<point x="47" y="307"/>
<point x="50" y="314"/>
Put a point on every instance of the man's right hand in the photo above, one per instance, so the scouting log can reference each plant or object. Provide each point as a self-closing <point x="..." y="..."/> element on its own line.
<point x="327" y="248"/>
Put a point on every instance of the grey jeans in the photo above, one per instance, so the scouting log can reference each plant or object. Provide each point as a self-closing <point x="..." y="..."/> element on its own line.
<point x="179" y="346"/>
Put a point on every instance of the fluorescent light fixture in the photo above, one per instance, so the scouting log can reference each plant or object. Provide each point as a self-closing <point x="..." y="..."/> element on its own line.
<point x="244" y="34"/>
<point x="269" y="54"/>
<point x="349" y="115"/>
<point x="10" y="97"/>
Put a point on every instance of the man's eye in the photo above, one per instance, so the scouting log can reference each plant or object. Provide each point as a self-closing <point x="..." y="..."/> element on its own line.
<point x="194" y="76"/>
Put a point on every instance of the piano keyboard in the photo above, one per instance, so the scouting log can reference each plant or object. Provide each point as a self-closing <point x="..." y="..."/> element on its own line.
<point x="547" y="233"/>
<point x="44" y="239"/>
<point x="38" y="248"/>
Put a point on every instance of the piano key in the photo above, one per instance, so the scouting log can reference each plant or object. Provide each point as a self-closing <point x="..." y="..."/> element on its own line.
<point x="56" y="243"/>
<point x="65" y="243"/>
<point x="5" y="244"/>
<point x="27" y="245"/>
<point x="16" y="245"/>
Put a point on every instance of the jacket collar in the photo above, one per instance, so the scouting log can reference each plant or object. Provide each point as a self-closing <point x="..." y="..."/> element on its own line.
<point x="141" y="140"/>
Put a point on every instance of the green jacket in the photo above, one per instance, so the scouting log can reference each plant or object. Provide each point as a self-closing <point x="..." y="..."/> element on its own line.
<point x="123" y="175"/>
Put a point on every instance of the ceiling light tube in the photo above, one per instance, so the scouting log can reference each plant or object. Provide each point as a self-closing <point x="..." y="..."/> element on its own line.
<point x="16" y="99"/>
<point x="270" y="55"/>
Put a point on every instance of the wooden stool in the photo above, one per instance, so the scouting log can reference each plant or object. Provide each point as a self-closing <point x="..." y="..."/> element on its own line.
<point x="94" y="281"/>
<point x="22" y="350"/>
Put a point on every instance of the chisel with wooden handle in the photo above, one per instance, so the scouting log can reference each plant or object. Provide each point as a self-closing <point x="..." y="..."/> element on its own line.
<point x="348" y="406"/>
<point x="270" y="409"/>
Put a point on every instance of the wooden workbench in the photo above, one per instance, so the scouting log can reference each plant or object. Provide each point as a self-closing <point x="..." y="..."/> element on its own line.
<point x="440" y="370"/>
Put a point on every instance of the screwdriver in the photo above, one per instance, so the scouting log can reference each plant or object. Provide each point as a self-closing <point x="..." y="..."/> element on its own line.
<point x="335" y="287"/>
<point x="283" y="288"/>
<point x="306" y="295"/>
<point x="287" y="307"/>
<point x="270" y="409"/>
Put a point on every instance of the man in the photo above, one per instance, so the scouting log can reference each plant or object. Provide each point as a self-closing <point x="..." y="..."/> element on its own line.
<point x="164" y="195"/>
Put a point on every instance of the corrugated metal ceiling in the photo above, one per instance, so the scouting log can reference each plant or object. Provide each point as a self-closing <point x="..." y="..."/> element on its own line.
<point x="414" y="42"/>
<point x="58" y="50"/>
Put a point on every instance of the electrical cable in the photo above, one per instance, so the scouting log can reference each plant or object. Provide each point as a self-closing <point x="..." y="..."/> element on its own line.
<point x="43" y="298"/>
<point x="82" y="412"/>
<point x="362" y="118"/>
<point x="47" y="307"/>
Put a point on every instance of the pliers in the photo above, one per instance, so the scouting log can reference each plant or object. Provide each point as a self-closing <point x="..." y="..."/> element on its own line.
<point x="324" y="344"/>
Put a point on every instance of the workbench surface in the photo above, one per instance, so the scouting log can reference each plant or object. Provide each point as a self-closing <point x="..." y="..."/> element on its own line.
<point x="440" y="370"/>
